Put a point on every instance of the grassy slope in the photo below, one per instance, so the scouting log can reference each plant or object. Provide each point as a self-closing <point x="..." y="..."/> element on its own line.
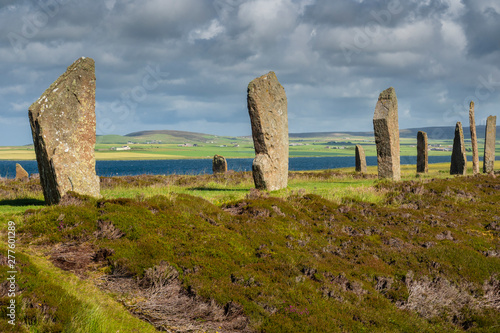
<point x="339" y="260"/>
<point x="53" y="300"/>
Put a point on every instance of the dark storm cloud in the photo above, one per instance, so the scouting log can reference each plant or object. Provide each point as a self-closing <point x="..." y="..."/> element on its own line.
<point x="359" y="13"/>
<point x="157" y="20"/>
<point x="482" y="26"/>
<point x="333" y="57"/>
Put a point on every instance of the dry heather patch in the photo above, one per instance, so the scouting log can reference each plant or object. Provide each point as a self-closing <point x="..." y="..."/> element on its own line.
<point x="160" y="299"/>
<point x="438" y="297"/>
<point x="491" y="298"/>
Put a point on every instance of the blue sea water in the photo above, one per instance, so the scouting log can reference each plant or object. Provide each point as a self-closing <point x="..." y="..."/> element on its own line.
<point x="204" y="166"/>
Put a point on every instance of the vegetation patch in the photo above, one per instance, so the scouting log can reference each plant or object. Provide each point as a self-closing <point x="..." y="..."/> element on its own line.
<point x="420" y="255"/>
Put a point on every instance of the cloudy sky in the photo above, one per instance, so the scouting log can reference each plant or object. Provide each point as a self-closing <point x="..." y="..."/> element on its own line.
<point x="185" y="64"/>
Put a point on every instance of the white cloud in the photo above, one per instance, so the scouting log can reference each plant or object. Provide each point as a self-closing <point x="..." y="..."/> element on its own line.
<point x="11" y="90"/>
<point x="207" y="32"/>
<point x="20" y="106"/>
<point x="267" y="19"/>
<point x="456" y="8"/>
<point x="399" y="59"/>
<point x="454" y="37"/>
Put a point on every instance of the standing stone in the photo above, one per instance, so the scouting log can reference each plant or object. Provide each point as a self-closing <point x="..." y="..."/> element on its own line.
<point x="360" y="159"/>
<point x="63" y="127"/>
<point x="267" y="106"/>
<point x="21" y="174"/>
<point x="458" y="157"/>
<point x="385" y="124"/>
<point x="422" y="152"/>
<point x="219" y="164"/>
<point x="489" y="144"/>
<point x="473" y="140"/>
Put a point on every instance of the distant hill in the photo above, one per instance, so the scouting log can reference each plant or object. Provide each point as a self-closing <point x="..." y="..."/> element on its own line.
<point x="183" y="135"/>
<point x="171" y="136"/>
<point x="165" y="136"/>
<point x="434" y="133"/>
<point x="443" y="132"/>
<point x="327" y="134"/>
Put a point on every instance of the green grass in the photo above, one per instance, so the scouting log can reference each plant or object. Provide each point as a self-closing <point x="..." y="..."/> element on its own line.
<point x="53" y="300"/>
<point x="337" y="186"/>
<point x="309" y="258"/>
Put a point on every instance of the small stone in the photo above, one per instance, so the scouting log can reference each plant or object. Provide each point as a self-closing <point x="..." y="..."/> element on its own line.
<point x="458" y="157"/>
<point x="63" y="126"/>
<point x="360" y="159"/>
<point x="386" y="128"/>
<point x="219" y="164"/>
<point x="267" y="107"/>
<point x="21" y="174"/>
<point x="489" y="145"/>
<point x="422" y="153"/>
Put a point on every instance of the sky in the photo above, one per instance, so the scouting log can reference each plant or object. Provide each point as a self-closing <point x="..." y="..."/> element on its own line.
<point x="186" y="64"/>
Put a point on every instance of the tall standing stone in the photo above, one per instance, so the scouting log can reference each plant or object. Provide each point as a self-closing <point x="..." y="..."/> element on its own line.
<point x="267" y="106"/>
<point x="489" y="144"/>
<point x="219" y="164"/>
<point x="385" y="124"/>
<point x="458" y="156"/>
<point x="360" y="159"/>
<point x="473" y="140"/>
<point x="63" y="127"/>
<point x="21" y="174"/>
<point x="422" y="153"/>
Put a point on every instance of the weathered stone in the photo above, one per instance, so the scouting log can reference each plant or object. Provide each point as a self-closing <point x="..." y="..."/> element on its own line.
<point x="473" y="140"/>
<point x="21" y="174"/>
<point x="63" y="127"/>
<point x="219" y="164"/>
<point x="458" y="156"/>
<point x="422" y="153"/>
<point x="489" y="145"/>
<point x="385" y="124"/>
<point x="360" y="159"/>
<point x="267" y="106"/>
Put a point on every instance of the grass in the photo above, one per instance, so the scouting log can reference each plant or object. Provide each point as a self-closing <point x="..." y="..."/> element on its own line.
<point x="53" y="300"/>
<point x="335" y="251"/>
<point x="336" y="186"/>
<point x="16" y="154"/>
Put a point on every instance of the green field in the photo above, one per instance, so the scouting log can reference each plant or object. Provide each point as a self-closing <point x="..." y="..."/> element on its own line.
<point x="206" y="146"/>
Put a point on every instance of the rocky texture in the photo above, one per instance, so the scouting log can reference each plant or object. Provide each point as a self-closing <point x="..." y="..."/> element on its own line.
<point x="267" y="106"/>
<point x="473" y="140"/>
<point x="63" y="127"/>
<point x="360" y="159"/>
<point x="21" y="174"/>
<point x="458" y="157"/>
<point x="489" y="144"/>
<point x="422" y="153"/>
<point x="386" y="127"/>
<point x="219" y="164"/>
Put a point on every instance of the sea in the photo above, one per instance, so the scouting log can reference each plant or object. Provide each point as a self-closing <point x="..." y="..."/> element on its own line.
<point x="204" y="166"/>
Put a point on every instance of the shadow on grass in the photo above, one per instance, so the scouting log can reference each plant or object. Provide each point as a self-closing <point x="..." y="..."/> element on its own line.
<point x="22" y="202"/>
<point x="201" y="188"/>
